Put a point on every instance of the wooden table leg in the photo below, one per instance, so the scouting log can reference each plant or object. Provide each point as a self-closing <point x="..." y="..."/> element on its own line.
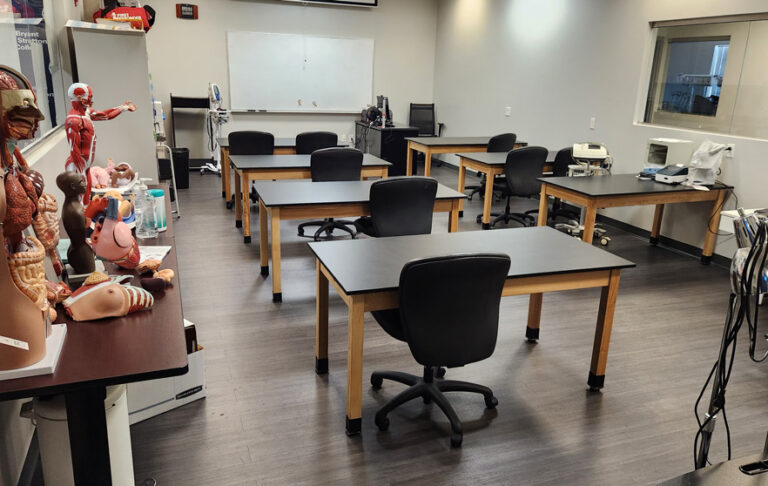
<point x="543" y="206"/>
<point x="88" y="441"/>
<point x="355" y="365"/>
<point x="224" y="173"/>
<point x="462" y="182"/>
<point x="453" y="216"/>
<point x="277" y="293"/>
<point x="245" y="192"/>
<point x="608" y="296"/>
<point x="238" y="202"/>
<point x="658" y="214"/>
<point x="428" y="163"/>
<point x="409" y="160"/>
<point x="321" y="323"/>
<point x="534" y="318"/>
<point x="589" y="222"/>
<point x="712" y="226"/>
<point x="263" y="239"/>
<point x="487" y="200"/>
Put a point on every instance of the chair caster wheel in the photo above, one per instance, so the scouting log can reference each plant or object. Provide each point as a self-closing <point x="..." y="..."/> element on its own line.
<point x="440" y="373"/>
<point x="301" y="232"/>
<point x="376" y="382"/>
<point x="382" y="423"/>
<point x="456" y="440"/>
<point x="490" y="403"/>
<point x="479" y="218"/>
<point x="229" y="204"/>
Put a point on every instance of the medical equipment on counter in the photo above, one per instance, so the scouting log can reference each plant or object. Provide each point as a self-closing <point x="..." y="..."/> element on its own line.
<point x="671" y="174"/>
<point x="217" y="116"/>
<point x="661" y="152"/>
<point x="705" y="163"/>
<point x="749" y="282"/>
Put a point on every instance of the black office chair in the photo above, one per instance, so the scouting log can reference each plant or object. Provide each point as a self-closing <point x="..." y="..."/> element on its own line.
<point x="250" y="142"/>
<point x="500" y="143"/>
<point x="400" y="206"/>
<point x="449" y="316"/>
<point x="523" y="168"/>
<point x="334" y="164"/>
<point x="422" y="116"/>
<point x="308" y="142"/>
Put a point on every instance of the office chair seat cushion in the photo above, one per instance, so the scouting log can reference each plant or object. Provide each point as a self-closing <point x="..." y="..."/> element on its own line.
<point x="390" y="321"/>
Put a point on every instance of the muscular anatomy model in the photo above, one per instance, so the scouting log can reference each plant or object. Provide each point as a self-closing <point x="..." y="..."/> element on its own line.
<point x="80" y="133"/>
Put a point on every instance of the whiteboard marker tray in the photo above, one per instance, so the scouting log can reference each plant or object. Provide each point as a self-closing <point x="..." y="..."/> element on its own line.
<point x="47" y="365"/>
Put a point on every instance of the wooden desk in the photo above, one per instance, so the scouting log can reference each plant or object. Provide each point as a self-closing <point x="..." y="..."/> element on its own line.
<point x="275" y="167"/>
<point x="140" y="346"/>
<point x="610" y="191"/>
<point x="284" y="200"/>
<point x="491" y="164"/>
<point x="283" y="146"/>
<point x="444" y="145"/>
<point x="366" y="274"/>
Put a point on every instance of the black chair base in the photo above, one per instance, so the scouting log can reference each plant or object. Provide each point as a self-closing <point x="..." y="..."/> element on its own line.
<point x="327" y="226"/>
<point x="429" y="390"/>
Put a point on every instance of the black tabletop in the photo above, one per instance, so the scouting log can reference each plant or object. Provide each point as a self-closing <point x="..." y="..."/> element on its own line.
<point x="304" y="192"/>
<point x="395" y="127"/>
<point x="140" y="346"/>
<point x="496" y="158"/>
<point x="282" y="142"/>
<point x="617" y="185"/>
<point x="724" y="473"/>
<point x="441" y="141"/>
<point x="374" y="264"/>
<point x="292" y="161"/>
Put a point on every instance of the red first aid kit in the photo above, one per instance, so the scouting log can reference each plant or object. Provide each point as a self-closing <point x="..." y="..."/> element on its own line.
<point x="138" y="17"/>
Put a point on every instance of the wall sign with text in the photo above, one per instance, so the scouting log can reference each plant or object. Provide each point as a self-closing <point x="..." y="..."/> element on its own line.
<point x="186" y="11"/>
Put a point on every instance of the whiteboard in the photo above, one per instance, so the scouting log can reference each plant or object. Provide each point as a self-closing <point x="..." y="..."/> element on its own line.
<point x="299" y="73"/>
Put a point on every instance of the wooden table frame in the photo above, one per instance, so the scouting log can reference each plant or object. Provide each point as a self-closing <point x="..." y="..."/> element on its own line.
<point x="592" y="203"/>
<point x="428" y="150"/>
<point x="360" y="303"/>
<point x="243" y="177"/>
<point x="226" y="167"/>
<point x="319" y="211"/>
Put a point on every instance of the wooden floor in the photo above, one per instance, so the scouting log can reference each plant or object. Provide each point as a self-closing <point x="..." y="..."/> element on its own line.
<point x="269" y="419"/>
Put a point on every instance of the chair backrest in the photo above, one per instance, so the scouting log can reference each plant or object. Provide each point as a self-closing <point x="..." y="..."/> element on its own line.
<point x="403" y="205"/>
<point x="563" y="159"/>
<point x="502" y="143"/>
<point x="449" y="307"/>
<point x="422" y="116"/>
<point x="249" y="142"/>
<point x="524" y="166"/>
<point x="308" y="142"/>
<point x="336" y="164"/>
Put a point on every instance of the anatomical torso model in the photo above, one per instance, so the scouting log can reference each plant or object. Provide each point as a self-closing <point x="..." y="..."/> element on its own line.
<point x="80" y="132"/>
<point x="24" y="308"/>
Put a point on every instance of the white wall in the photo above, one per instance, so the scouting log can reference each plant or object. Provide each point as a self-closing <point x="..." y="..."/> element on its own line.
<point x="185" y="55"/>
<point x="558" y="63"/>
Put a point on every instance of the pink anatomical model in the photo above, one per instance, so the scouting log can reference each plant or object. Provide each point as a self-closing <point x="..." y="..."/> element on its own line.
<point x="112" y="239"/>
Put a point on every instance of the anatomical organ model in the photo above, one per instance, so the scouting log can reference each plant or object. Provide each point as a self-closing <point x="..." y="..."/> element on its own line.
<point x="24" y="307"/>
<point x="80" y="132"/>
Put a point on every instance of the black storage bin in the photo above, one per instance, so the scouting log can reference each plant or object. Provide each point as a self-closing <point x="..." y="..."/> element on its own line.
<point x="181" y="167"/>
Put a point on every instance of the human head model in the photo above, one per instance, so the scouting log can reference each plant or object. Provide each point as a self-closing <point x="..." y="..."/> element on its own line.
<point x="71" y="184"/>
<point x="80" y="93"/>
<point x="19" y="114"/>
